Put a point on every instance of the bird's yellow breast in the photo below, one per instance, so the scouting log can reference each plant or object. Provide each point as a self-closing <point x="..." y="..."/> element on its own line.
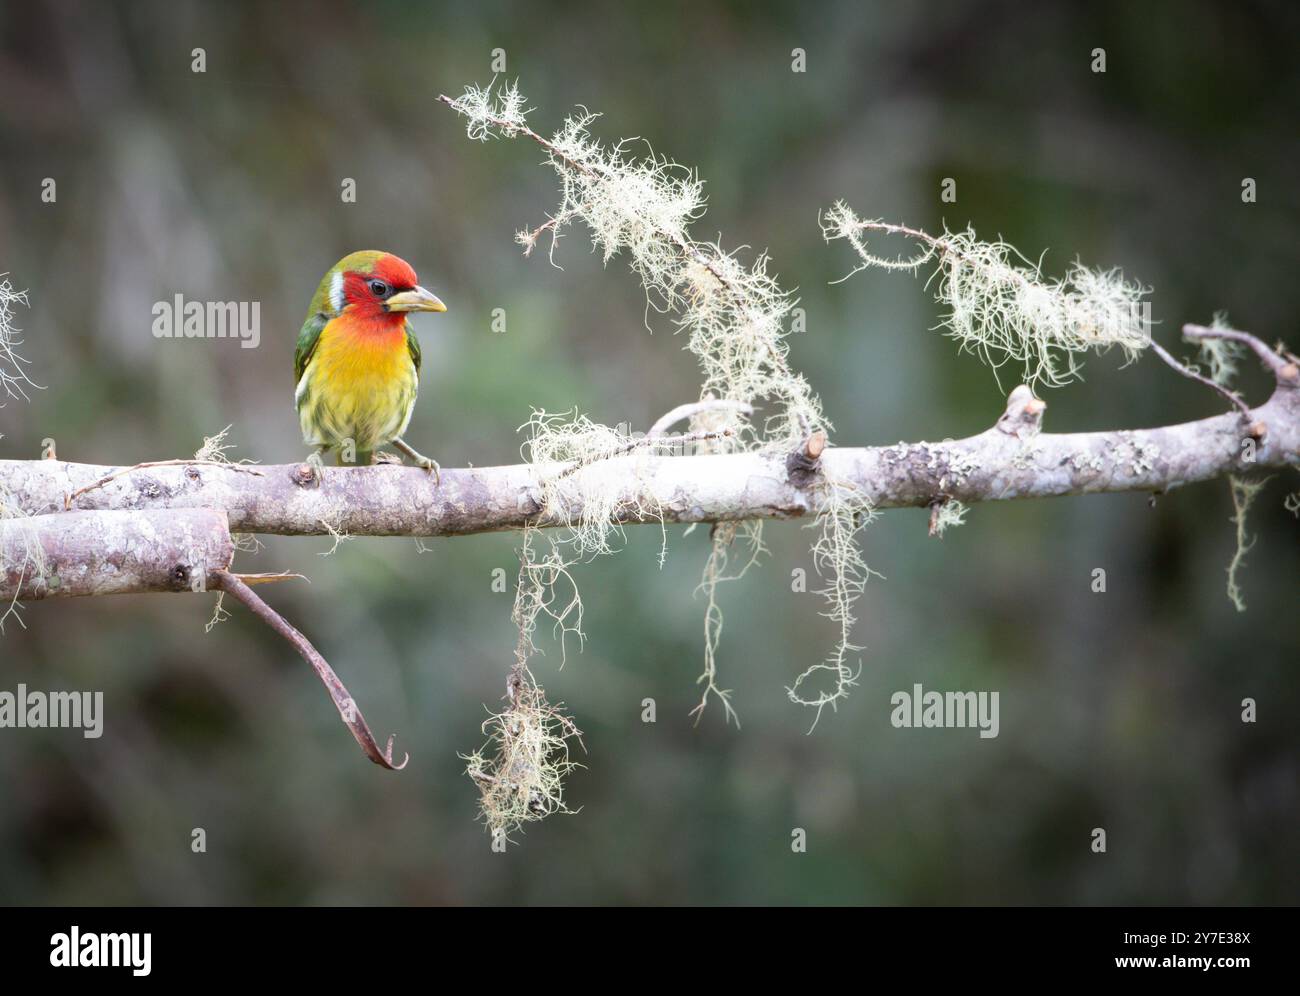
<point x="358" y="386"/>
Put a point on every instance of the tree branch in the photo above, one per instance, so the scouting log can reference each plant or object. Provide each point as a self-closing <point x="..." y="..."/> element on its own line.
<point x="166" y="526"/>
<point x="343" y="702"/>
<point x="112" y="552"/>
<point x="155" y="550"/>
<point x="1013" y="459"/>
<point x="1283" y="369"/>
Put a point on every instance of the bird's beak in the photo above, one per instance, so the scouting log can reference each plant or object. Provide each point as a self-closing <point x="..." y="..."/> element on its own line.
<point x="415" y="300"/>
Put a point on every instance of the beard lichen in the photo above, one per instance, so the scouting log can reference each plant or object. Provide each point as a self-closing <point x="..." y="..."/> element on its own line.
<point x="717" y="569"/>
<point x="521" y="768"/>
<point x="1001" y="307"/>
<point x="838" y="560"/>
<point x="1220" y="356"/>
<point x="13" y="366"/>
<point x="1244" y="492"/>
<point x="733" y="314"/>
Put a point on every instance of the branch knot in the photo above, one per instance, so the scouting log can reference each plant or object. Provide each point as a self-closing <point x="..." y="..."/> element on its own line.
<point x="802" y="465"/>
<point x="1024" y="415"/>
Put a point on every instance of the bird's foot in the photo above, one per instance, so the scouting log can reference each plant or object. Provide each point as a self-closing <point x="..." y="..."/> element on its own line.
<point x="428" y="463"/>
<point x="382" y="457"/>
<point x="431" y="465"/>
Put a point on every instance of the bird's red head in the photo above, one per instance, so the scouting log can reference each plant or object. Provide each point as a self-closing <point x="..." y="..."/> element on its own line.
<point x="374" y="285"/>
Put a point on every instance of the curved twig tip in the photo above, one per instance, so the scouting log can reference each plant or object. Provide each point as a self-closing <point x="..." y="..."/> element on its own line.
<point x="343" y="702"/>
<point x="388" y="756"/>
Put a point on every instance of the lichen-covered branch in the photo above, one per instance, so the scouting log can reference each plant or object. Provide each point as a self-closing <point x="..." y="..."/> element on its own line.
<point x="1013" y="459"/>
<point x="122" y="551"/>
<point x="166" y="527"/>
<point x="112" y="552"/>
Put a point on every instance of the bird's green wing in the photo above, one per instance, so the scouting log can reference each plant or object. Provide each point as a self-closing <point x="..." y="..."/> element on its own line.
<point x="307" y="340"/>
<point x="413" y="344"/>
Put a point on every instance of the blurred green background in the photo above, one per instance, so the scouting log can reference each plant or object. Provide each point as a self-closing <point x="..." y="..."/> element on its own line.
<point x="1119" y="710"/>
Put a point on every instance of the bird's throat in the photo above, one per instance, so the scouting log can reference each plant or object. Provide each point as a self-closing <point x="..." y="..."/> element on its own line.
<point x="379" y="328"/>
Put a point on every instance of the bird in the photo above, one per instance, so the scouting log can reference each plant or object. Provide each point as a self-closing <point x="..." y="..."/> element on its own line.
<point x="356" y="367"/>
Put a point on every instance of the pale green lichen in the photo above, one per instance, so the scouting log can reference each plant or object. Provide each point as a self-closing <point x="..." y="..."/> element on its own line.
<point x="13" y="366"/>
<point x="1244" y="493"/>
<point x="520" y="770"/>
<point x="1001" y="306"/>
<point x="837" y="557"/>
<point x="1220" y="356"/>
<point x="717" y="570"/>
<point x="733" y="313"/>
<point x="947" y="514"/>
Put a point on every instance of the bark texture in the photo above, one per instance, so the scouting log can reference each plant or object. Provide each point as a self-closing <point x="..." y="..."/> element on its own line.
<point x="112" y="552"/>
<point x="1013" y="459"/>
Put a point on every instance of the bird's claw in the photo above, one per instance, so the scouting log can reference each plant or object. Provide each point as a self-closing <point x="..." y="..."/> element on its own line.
<point x="428" y="463"/>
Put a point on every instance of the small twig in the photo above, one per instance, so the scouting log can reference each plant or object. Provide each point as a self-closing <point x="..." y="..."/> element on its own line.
<point x="523" y="129"/>
<point x="932" y="246"/>
<point x="231" y="583"/>
<point x="814" y="446"/>
<point x="1267" y="356"/>
<point x="272" y="578"/>
<point x="1187" y="371"/>
<point x="691" y="409"/>
<point x="67" y="502"/>
<point x="528" y="239"/>
<point x="801" y="465"/>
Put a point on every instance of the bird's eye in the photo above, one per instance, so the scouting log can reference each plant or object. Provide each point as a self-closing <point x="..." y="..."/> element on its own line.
<point x="380" y="289"/>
